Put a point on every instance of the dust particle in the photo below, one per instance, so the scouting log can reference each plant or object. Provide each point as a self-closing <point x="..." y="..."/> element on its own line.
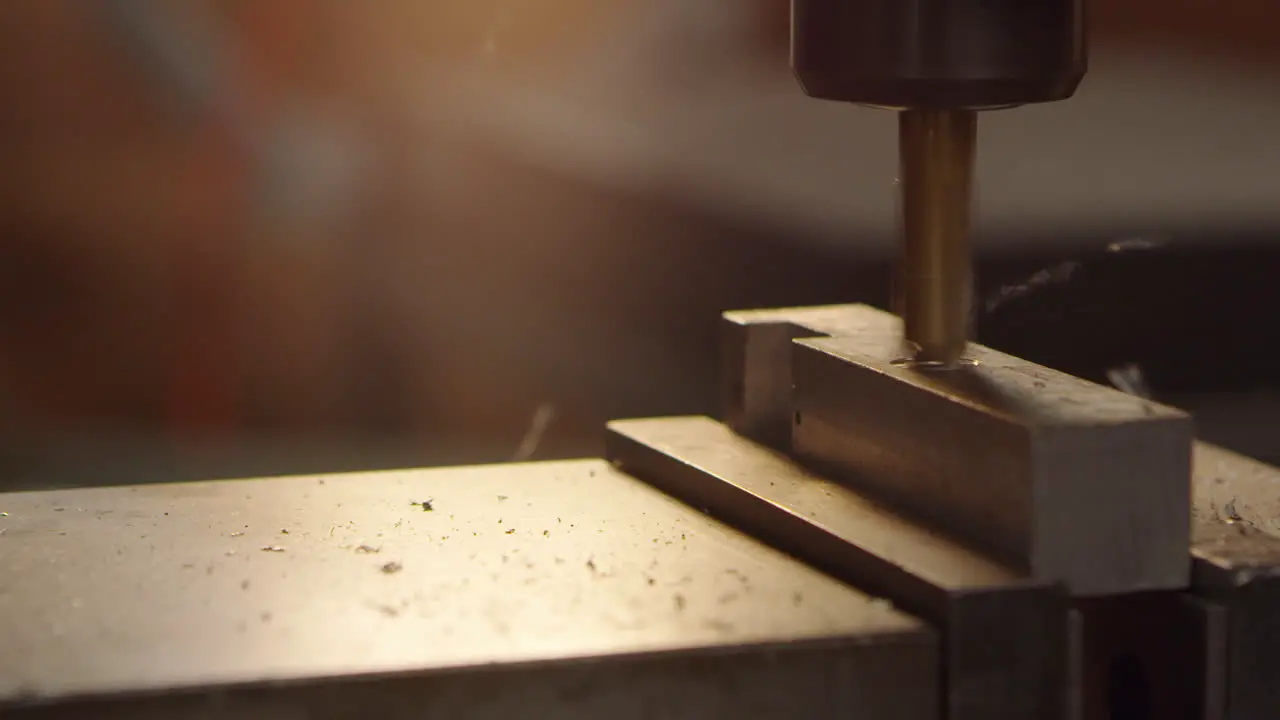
<point x="237" y="534"/>
<point x="392" y="568"/>
<point x="283" y="531"/>
<point x="368" y="550"/>
<point x="244" y="584"/>
<point x="1229" y="510"/>
<point x="591" y="565"/>
<point x="796" y="598"/>
<point x="719" y="626"/>
<point x="680" y="601"/>
<point x="511" y="531"/>
<point x="501" y="498"/>
<point x="546" y="533"/>
<point x="266" y="617"/>
<point x="426" y="505"/>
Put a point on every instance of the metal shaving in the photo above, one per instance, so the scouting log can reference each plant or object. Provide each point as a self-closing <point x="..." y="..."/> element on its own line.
<point x="542" y="419"/>
<point x="1129" y="378"/>
<point x="1056" y="275"/>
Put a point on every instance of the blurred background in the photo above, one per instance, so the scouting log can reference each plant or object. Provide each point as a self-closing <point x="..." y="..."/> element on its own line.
<point x="247" y="237"/>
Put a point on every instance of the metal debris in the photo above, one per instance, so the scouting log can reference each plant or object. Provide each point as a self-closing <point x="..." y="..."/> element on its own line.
<point x="388" y="610"/>
<point x="1056" y="275"/>
<point x="1129" y="378"/>
<point x="542" y="419"/>
<point x="426" y="505"/>
<point x="237" y="534"/>
<point x="272" y="548"/>
<point x="283" y="531"/>
<point x="392" y="568"/>
<point x="1229" y="510"/>
<point x="501" y="498"/>
<point x="1137" y="243"/>
<point x="512" y="530"/>
<point x="4" y="514"/>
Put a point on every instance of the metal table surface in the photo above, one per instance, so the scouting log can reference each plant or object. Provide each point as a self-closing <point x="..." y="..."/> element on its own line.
<point x="274" y="582"/>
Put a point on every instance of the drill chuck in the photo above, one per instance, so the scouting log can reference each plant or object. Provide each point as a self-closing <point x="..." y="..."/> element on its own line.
<point x="938" y="53"/>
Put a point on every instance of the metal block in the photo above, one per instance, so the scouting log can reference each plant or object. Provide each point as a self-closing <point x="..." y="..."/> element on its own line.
<point x="1065" y="479"/>
<point x="565" y="590"/>
<point x="1236" y="563"/>
<point x="1004" y="637"/>
<point x="755" y="377"/>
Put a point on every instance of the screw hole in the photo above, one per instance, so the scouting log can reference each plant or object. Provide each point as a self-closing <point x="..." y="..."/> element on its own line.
<point x="1128" y="690"/>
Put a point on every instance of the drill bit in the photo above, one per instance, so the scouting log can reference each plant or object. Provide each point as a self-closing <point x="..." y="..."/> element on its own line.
<point x="935" y="277"/>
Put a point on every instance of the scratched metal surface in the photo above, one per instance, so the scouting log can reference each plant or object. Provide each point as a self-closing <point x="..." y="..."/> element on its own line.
<point x="173" y="586"/>
<point x="1234" y="489"/>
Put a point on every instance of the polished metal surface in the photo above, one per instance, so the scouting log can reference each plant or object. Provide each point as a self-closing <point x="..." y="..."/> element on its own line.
<point x="1236" y="563"/>
<point x="561" y="589"/>
<point x="1007" y="454"/>
<point x="938" y="53"/>
<point x="755" y="353"/>
<point x="934" y="288"/>
<point x="1005" y="637"/>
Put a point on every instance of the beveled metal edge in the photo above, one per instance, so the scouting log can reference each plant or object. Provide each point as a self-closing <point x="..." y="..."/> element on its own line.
<point x="999" y="637"/>
<point x="813" y="677"/>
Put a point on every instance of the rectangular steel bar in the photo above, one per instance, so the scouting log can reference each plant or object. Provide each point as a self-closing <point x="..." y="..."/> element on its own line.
<point x="562" y="589"/>
<point x="1069" y="480"/>
<point x="1004" y="637"/>
<point x="1236" y="563"/>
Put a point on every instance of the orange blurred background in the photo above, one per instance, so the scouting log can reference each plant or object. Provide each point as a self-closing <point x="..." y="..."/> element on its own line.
<point x="161" y="278"/>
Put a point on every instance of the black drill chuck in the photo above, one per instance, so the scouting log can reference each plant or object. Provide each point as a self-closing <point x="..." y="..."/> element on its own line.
<point x="939" y="53"/>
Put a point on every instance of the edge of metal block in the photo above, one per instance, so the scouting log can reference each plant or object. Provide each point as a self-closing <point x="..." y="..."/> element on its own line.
<point x="1235" y="554"/>
<point x="1005" y="637"/>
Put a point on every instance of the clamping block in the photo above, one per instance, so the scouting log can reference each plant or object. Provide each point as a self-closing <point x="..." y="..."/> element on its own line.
<point x="1004" y="636"/>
